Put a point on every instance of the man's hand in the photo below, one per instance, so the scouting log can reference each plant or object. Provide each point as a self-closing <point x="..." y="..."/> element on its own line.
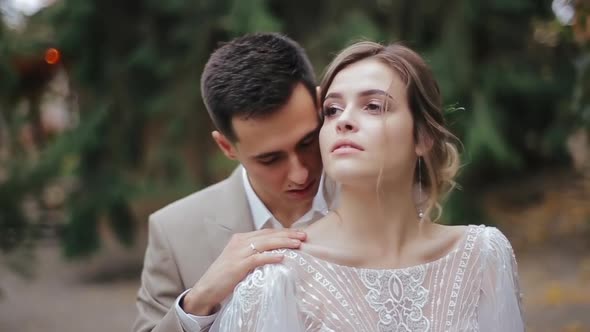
<point x="238" y="258"/>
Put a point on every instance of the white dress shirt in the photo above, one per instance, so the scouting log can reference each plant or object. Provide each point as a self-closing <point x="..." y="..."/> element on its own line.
<point x="262" y="218"/>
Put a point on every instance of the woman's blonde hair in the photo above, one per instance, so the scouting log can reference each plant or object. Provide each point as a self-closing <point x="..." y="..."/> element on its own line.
<point x="425" y="102"/>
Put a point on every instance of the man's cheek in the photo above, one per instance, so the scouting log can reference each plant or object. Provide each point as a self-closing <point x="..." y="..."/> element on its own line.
<point x="273" y="178"/>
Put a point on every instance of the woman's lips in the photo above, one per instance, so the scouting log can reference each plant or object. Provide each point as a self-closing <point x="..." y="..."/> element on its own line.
<point x="346" y="146"/>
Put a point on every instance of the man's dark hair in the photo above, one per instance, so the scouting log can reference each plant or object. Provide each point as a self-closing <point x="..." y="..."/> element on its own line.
<point x="253" y="76"/>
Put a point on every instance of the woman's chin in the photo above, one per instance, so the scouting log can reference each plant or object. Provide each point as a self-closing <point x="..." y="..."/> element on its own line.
<point x="353" y="176"/>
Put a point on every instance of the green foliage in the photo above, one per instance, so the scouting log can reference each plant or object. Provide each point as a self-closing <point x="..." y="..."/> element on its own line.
<point x="249" y="16"/>
<point x="484" y="139"/>
<point x="581" y="97"/>
<point x="135" y="69"/>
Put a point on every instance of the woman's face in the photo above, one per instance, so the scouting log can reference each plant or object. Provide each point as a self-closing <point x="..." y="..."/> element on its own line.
<point x="368" y="126"/>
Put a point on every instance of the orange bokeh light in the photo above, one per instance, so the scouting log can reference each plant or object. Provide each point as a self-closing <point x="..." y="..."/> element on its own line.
<point x="52" y="56"/>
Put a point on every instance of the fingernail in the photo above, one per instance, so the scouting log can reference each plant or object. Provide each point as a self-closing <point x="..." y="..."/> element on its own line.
<point x="296" y="242"/>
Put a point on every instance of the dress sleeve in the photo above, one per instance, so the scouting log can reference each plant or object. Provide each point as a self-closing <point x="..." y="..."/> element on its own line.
<point x="500" y="308"/>
<point x="263" y="302"/>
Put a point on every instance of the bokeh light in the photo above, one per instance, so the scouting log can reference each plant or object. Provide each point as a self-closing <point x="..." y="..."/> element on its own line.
<point x="52" y="56"/>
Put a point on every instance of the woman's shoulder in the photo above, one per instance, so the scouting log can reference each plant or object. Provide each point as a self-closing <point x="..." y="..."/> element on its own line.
<point x="268" y="291"/>
<point x="493" y="246"/>
<point x="267" y="277"/>
<point x="289" y="267"/>
<point x="493" y="239"/>
<point x="481" y="235"/>
<point x="482" y="240"/>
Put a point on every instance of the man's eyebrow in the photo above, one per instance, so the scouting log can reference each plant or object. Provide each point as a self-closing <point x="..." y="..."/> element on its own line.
<point x="268" y="154"/>
<point x="309" y="135"/>
<point x="279" y="152"/>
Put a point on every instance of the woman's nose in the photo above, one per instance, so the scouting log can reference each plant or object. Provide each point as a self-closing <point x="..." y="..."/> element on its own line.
<point x="346" y="124"/>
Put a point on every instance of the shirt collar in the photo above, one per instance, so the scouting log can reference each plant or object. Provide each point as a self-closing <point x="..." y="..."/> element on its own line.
<point x="260" y="213"/>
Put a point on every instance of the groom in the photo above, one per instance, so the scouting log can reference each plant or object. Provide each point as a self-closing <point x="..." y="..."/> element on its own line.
<point x="260" y="92"/>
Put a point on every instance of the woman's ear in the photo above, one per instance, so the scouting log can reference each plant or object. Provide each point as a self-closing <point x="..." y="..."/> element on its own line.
<point x="424" y="143"/>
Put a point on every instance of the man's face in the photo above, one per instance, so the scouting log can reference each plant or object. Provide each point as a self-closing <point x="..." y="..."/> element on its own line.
<point x="281" y="151"/>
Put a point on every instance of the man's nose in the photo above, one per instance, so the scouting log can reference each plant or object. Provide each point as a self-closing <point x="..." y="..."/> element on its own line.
<point x="298" y="172"/>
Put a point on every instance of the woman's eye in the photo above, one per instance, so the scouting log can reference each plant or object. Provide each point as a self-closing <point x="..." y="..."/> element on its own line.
<point x="330" y="111"/>
<point x="374" y="108"/>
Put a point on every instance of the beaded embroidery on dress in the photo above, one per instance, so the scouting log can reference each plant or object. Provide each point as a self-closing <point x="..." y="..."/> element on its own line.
<point x="472" y="288"/>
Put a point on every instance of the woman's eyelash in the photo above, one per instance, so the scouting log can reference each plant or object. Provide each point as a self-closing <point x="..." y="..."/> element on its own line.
<point x="371" y="106"/>
<point x="330" y="110"/>
<point x="375" y="107"/>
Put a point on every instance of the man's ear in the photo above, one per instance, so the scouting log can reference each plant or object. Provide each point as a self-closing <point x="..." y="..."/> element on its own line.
<point x="224" y="144"/>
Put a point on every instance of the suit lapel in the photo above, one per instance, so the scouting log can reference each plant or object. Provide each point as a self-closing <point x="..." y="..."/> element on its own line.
<point x="234" y="215"/>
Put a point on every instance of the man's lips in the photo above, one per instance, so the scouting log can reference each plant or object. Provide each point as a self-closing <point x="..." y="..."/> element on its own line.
<point x="303" y="189"/>
<point x="346" y="144"/>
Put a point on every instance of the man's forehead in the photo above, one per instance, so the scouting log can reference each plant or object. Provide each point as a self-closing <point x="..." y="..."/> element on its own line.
<point x="255" y="143"/>
<point x="281" y="129"/>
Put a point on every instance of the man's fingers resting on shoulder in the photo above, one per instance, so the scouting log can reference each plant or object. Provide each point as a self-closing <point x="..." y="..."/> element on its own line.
<point x="266" y="244"/>
<point x="283" y="233"/>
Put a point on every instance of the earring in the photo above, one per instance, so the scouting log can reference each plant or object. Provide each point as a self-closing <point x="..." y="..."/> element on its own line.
<point x="420" y="212"/>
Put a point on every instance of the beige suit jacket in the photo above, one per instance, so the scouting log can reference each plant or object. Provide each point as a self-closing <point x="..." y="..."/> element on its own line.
<point x="185" y="238"/>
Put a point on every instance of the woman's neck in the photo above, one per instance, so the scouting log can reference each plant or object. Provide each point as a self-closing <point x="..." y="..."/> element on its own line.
<point x="378" y="221"/>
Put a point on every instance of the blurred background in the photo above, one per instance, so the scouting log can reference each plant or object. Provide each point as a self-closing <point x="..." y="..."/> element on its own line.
<point x="102" y="123"/>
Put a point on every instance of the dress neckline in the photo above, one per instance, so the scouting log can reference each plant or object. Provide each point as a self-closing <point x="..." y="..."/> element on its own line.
<point x="462" y="243"/>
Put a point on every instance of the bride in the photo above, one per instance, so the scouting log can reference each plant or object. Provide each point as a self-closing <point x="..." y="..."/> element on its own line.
<point x="377" y="262"/>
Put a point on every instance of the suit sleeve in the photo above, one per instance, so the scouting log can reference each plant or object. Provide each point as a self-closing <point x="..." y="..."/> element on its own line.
<point x="160" y="286"/>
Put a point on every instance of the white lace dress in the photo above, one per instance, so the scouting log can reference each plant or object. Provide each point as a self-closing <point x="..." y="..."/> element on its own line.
<point x="472" y="288"/>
